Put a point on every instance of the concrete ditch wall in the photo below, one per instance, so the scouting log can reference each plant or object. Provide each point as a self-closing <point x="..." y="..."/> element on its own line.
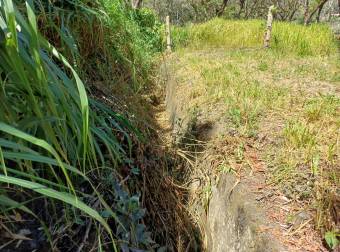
<point x="234" y="218"/>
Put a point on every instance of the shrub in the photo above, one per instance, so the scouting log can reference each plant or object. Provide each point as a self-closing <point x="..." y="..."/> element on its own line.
<point x="108" y="40"/>
<point x="151" y="29"/>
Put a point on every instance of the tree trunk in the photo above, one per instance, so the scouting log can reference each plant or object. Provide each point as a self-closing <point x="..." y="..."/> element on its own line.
<point x="220" y="11"/>
<point x="339" y="7"/>
<point x="294" y="8"/>
<point x="319" y="12"/>
<point x="292" y="14"/>
<point x="318" y="16"/>
<point x="242" y="3"/>
<point x="306" y="11"/>
<point x="318" y="8"/>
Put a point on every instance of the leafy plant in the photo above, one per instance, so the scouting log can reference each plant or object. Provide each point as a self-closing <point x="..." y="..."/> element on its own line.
<point x="151" y="29"/>
<point x="332" y="239"/>
<point x="55" y="141"/>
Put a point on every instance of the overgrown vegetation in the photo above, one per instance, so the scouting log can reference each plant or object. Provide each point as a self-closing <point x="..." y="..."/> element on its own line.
<point x="288" y="38"/>
<point x="63" y="153"/>
<point x="284" y="98"/>
<point x="76" y="171"/>
<point x="107" y="39"/>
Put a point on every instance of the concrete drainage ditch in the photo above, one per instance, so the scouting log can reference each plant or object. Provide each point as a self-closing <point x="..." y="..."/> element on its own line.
<point x="234" y="220"/>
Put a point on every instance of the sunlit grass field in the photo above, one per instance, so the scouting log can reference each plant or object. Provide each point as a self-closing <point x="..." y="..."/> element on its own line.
<point x="288" y="93"/>
<point x="287" y="38"/>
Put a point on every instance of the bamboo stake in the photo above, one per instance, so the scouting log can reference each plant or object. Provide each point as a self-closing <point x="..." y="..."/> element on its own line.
<point x="269" y="27"/>
<point x="168" y="35"/>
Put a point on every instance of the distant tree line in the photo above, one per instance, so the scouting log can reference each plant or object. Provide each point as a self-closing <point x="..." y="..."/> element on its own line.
<point x="182" y="11"/>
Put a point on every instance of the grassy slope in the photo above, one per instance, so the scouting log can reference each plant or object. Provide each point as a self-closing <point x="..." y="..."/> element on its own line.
<point x="288" y="95"/>
<point x="63" y="152"/>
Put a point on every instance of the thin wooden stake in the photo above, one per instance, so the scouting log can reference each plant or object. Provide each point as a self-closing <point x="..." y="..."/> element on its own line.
<point x="269" y="27"/>
<point x="168" y="35"/>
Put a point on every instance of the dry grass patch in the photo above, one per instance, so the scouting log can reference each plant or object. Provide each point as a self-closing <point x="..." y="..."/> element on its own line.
<point x="288" y="104"/>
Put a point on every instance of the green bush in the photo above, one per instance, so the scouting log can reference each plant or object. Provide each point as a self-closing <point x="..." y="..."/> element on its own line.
<point x="109" y="41"/>
<point x="151" y="29"/>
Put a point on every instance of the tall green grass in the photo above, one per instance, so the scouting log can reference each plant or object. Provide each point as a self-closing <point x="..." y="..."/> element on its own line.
<point x="109" y="41"/>
<point x="57" y="145"/>
<point x="287" y="38"/>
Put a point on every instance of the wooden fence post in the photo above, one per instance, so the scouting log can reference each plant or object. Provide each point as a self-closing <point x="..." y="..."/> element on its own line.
<point x="168" y="34"/>
<point x="269" y="27"/>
